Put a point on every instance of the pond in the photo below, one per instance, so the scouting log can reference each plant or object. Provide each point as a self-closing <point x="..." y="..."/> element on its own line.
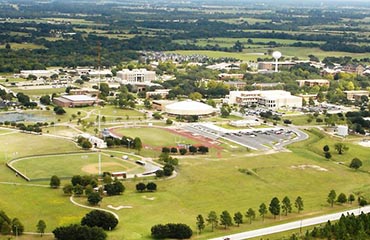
<point x="22" y="117"/>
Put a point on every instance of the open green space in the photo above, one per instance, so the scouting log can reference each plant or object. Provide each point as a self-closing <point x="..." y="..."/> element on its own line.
<point x="153" y="136"/>
<point x="39" y="92"/>
<point x="195" y="190"/>
<point x="18" y="46"/>
<point x="67" y="165"/>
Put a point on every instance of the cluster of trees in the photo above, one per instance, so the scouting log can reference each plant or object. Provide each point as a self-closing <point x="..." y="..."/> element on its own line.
<point x="150" y="187"/>
<point x="92" y="227"/>
<point x="225" y="219"/>
<point x="133" y="143"/>
<point x="348" y="227"/>
<point x="59" y="110"/>
<point x="37" y="127"/>
<point x="169" y="164"/>
<point x="171" y="230"/>
<point x="342" y="198"/>
<point x="25" y="100"/>
<point x="79" y="184"/>
<point x="10" y="226"/>
<point x="115" y="188"/>
<point x="358" y="122"/>
<point x="84" y="142"/>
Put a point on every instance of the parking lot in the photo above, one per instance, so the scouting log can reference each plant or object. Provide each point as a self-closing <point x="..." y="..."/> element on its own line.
<point x="256" y="139"/>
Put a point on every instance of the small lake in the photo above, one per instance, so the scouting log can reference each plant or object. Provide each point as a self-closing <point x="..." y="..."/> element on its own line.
<point x="22" y="117"/>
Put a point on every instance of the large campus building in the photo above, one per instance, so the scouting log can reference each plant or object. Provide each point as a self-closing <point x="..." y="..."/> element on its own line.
<point x="75" y="101"/>
<point x="273" y="99"/>
<point x="136" y="75"/>
<point x="189" y="108"/>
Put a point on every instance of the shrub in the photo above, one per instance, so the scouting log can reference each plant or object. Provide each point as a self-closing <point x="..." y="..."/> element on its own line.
<point x="98" y="218"/>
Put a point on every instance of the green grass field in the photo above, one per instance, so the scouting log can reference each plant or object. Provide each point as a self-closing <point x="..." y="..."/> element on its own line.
<point x="39" y="92"/>
<point x="204" y="183"/>
<point x="155" y="137"/>
<point x="67" y="165"/>
<point x="18" y="46"/>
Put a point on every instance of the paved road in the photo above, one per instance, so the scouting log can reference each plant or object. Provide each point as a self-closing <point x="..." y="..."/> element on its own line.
<point x="292" y="225"/>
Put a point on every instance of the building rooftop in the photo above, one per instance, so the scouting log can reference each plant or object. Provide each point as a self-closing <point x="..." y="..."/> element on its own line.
<point x="78" y="98"/>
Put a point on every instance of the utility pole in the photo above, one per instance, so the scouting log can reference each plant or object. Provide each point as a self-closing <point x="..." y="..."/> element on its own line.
<point x="99" y="62"/>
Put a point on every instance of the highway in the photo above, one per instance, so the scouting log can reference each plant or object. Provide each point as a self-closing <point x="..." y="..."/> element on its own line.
<point x="292" y="225"/>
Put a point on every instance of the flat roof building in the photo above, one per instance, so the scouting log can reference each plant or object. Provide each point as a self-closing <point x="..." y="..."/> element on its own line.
<point x="75" y="101"/>
<point x="356" y="94"/>
<point x="273" y="99"/>
<point x="313" y="82"/>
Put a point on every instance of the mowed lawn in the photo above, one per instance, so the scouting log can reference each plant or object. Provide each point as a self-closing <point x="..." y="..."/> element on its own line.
<point x="67" y="165"/>
<point x="156" y="137"/>
<point x="203" y="184"/>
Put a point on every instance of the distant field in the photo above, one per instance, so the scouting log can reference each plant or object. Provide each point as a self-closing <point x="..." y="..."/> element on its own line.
<point x="39" y="92"/>
<point x="18" y="46"/>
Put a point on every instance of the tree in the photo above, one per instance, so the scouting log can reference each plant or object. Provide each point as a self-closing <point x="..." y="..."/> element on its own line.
<point x="351" y="198"/>
<point x="94" y="198"/>
<point x="67" y="189"/>
<point x="327" y="155"/>
<point x="171" y="230"/>
<point x="183" y="151"/>
<point x="138" y="144"/>
<point x="225" y="219"/>
<point x="41" y="226"/>
<point x="98" y="218"/>
<point x="193" y="149"/>
<point x="168" y="169"/>
<point x="17" y="227"/>
<point x="140" y="187"/>
<point x="251" y="214"/>
<point x="54" y="182"/>
<point x="299" y="204"/>
<point x="212" y="219"/>
<point x="225" y="112"/>
<point x="287" y="206"/>
<point x="331" y="197"/>
<point x="5" y="228"/>
<point x="262" y="210"/>
<point x="326" y="148"/>
<point x="78" y="232"/>
<point x="78" y="190"/>
<point x="355" y="163"/>
<point x="200" y="223"/>
<point x="342" y="198"/>
<point x="340" y="148"/>
<point x="238" y="218"/>
<point x="45" y="100"/>
<point x="274" y="207"/>
<point x="151" y="187"/>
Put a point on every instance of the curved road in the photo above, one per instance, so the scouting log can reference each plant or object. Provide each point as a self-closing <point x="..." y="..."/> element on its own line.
<point x="293" y="225"/>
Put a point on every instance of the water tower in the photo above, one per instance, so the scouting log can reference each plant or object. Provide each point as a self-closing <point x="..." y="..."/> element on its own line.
<point x="276" y="55"/>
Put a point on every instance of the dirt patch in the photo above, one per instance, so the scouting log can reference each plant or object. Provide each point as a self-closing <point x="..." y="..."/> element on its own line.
<point x="364" y="143"/>
<point x="315" y="167"/>
<point x="149" y="198"/>
<point x="119" y="207"/>
<point x="94" y="167"/>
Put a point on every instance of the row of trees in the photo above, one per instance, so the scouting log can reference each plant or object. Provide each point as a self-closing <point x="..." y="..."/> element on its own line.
<point x="342" y="198"/>
<point x="171" y="230"/>
<point x="226" y="220"/>
<point x="150" y="187"/>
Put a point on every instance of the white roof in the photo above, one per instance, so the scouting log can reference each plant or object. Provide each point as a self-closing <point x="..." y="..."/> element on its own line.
<point x="189" y="107"/>
<point x="79" y="98"/>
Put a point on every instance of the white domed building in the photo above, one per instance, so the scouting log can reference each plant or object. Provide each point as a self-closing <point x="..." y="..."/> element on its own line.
<point x="189" y="108"/>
